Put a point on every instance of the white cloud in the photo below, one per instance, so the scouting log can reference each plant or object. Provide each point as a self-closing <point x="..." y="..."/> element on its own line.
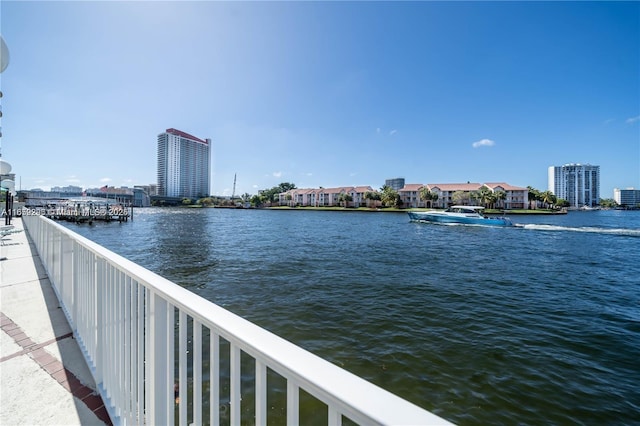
<point x="633" y="119"/>
<point x="483" y="142"/>
<point x="105" y="180"/>
<point x="277" y="174"/>
<point x="393" y="132"/>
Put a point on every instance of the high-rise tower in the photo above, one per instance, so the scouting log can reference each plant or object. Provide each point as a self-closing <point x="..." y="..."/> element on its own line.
<point x="184" y="165"/>
<point x="579" y="184"/>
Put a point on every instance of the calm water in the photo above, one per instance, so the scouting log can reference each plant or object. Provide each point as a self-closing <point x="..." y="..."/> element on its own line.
<point x="538" y="324"/>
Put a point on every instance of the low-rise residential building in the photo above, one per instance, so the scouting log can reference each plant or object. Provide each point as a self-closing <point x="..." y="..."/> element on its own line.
<point x="447" y="194"/>
<point x="516" y="197"/>
<point x="325" y="197"/>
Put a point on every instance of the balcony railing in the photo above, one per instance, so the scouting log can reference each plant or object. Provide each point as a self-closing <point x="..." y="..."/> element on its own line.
<point x="161" y="354"/>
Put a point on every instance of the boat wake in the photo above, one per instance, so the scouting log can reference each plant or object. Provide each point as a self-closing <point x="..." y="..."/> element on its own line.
<point x="594" y="230"/>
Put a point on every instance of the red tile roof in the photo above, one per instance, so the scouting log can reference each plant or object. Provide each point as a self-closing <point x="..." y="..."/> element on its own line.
<point x="505" y="186"/>
<point x="455" y="186"/>
<point x="186" y="135"/>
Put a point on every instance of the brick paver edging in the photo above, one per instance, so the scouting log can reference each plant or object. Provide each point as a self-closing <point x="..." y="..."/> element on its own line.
<point x="51" y="365"/>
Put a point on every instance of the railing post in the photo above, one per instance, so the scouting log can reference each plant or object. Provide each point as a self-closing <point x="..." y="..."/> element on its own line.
<point x="293" y="403"/>
<point x="182" y="367"/>
<point x="197" y="372"/>
<point x="157" y="413"/>
<point x="261" y="393"/>
<point x="235" y="377"/>
<point x="214" y="378"/>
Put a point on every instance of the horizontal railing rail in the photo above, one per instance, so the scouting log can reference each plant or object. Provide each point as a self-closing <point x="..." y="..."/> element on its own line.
<point x="161" y="354"/>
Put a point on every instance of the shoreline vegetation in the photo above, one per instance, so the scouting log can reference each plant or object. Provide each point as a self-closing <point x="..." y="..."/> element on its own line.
<point x="493" y="212"/>
<point x="389" y="200"/>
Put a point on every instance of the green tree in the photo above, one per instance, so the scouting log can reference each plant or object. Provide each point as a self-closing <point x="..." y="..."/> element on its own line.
<point x="371" y="196"/>
<point x="485" y="196"/>
<point x="460" y="197"/>
<point x="389" y="196"/>
<point x="500" y="196"/>
<point x="548" y="198"/>
<point x="186" y="201"/>
<point x="608" y="203"/>
<point x="345" y="199"/>
<point x="256" y="201"/>
<point x="286" y="186"/>
<point x="206" y="201"/>
<point x="533" y="195"/>
<point x="427" y="196"/>
<point x="272" y="195"/>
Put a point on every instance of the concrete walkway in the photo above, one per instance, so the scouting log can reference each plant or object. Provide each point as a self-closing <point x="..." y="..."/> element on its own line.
<point x="44" y="379"/>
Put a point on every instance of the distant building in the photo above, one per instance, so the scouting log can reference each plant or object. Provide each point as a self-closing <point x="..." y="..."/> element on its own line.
<point x="396" y="184"/>
<point x="579" y="184"/>
<point x="327" y="197"/>
<point x="76" y="190"/>
<point x="151" y="189"/>
<point x="184" y="165"/>
<point x="629" y="197"/>
<point x="515" y="197"/>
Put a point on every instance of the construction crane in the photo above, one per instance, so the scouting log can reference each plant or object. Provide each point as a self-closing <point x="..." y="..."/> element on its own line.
<point x="233" y="194"/>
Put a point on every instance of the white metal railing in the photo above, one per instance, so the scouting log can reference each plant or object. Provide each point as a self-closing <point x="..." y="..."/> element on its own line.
<point x="142" y="335"/>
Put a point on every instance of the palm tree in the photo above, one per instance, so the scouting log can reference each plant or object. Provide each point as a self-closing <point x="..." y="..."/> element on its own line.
<point x="548" y="198"/>
<point x="500" y="196"/>
<point x="434" y="196"/>
<point x="371" y="196"/>
<point x="484" y="195"/>
<point x="389" y="196"/>
<point x="426" y="195"/>
<point x="345" y="199"/>
<point x="460" y="197"/>
<point x="533" y="195"/>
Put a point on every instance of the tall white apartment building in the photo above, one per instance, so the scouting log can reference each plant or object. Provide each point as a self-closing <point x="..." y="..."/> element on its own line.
<point x="579" y="184"/>
<point x="629" y="197"/>
<point x="184" y="165"/>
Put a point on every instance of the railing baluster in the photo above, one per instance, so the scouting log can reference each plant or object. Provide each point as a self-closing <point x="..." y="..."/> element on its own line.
<point x="293" y="403"/>
<point x="234" y="398"/>
<point x="261" y="393"/>
<point x="197" y="372"/>
<point x="170" y="371"/>
<point x="117" y="328"/>
<point x="127" y="350"/>
<point x="147" y="354"/>
<point x="158" y="359"/>
<point x="140" y="365"/>
<point x="100" y="331"/>
<point x="335" y="418"/>
<point x="182" y="362"/>
<point x="214" y="378"/>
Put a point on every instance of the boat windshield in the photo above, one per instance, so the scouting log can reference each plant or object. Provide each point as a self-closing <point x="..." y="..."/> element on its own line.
<point x="465" y="210"/>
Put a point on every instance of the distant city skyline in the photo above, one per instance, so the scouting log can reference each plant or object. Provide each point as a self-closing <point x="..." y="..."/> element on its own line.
<point x="322" y="93"/>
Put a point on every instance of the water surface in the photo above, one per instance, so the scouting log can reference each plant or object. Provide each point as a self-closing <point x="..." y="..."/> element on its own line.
<point x="537" y="324"/>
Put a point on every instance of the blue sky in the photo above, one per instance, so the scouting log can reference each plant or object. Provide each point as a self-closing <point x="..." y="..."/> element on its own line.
<point x="323" y="93"/>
